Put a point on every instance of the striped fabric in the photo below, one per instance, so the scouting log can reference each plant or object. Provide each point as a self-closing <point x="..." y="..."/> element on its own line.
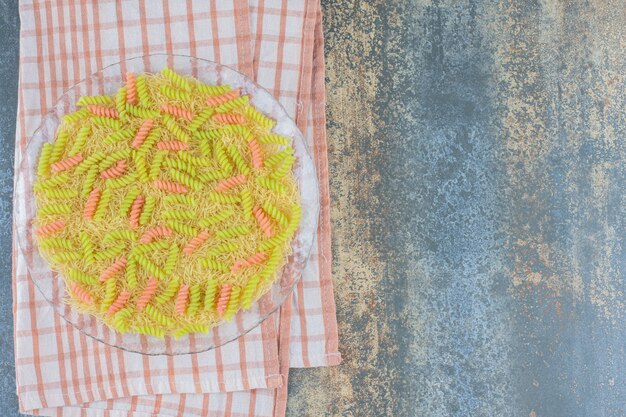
<point x="61" y="372"/>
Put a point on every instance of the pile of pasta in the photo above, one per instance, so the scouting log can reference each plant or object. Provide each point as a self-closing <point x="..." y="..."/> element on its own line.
<point x="167" y="207"/>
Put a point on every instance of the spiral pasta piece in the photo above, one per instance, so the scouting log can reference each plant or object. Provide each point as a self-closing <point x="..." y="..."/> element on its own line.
<point x="131" y="88"/>
<point x="128" y="200"/>
<point x="135" y="211"/>
<point x="142" y="133"/>
<point x="174" y="93"/>
<point x="176" y="79"/>
<point x="240" y="163"/>
<point x="131" y="272"/>
<point x="44" y="160"/>
<point x="172" y="145"/>
<point x="271" y="184"/>
<point x="114" y="235"/>
<point x="233" y="303"/>
<point x="228" y="118"/>
<point x="210" y="134"/>
<point x="183" y="199"/>
<point x="151" y="140"/>
<point x="103" y="111"/>
<point x="110" y="292"/>
<point x="275" y="139"/>
<point x="155" y="166"/>
<point x="141" y="112"/>
<point x="223" y="298"/>
<point x="109" y="253"/>
<point x="147" y="210"/>
<point x="194" y="160"/>
<point x="182" y="228"/>
<point x="81" y="277"/>
<point x="121" y="319"/>
<point x="106" y="122"/>
<point x="170" y="186"/>
<point x="258" y="117"/>
<point x="150" y="248"/>
<point x="230" y="183"/>
<point x="120" y="103"/>
<point x="56" y="243"/>
<point x="200" y="119"/>
<point x="141" y="167"/>
<point x="147" y="293"/>
<point x="207" y="176"/>
<point x="195" y="242"/>
<point x="246" y="203"/>
<point x="232" y="232"/>
<point x="179" y="214"/>
<point x="255" y="259"/>
<point x="177" y="111"/>
<point x="284" y="168"/>
<point x="89" y="163"/>
<point x="223" y="198"/>
<point x="52" y="182"/>
<point x="86" y="246"/>
<point x="92" y="204"/>
<point x="222" y="159"/>
<point x="278" y="157"/>
<point x="240" y="130"/>
<point x="222" y="248"/>
<point x="113" y="158"/>
<point x="59" y="146"/>
<point x="79" y="141"/>
<point x="66" y="164"/>
<point x="216" y="218"/>
<point x="275" y="213"/>
<point x="181" y="299"/>
<point x="158" y="316"/>
<point x="249" y="290"/>
<point x="142" y="92"/>
<point x="170" y="291"/>
<point x="257" y="154"/>
<point x="172" y="259"/>
<point x="232" y="104"/>
<point x="103" y="204"/>
<point x="115" y="268"/>
<point x="54" y="209"/>
<point x="194" y="300"/>
<point x="209" y="294"/>
<point x="76" y="116"/>
<point x="212" y="90"/>
<point x="150" y="267"/>
<point x="61" y="193"/>
<point x="154" y="233"/>
<point x="50" y="228"/>
<point x="175" y="129"/>
<point x="62" y="257"/>
<point x="213" y="265"/>
<point x="115" y="171"/>
<point x="119" y="302"/>
<point x="82" y="294"/>
<point x="217" y="100"/>
<point x="181" y="165"/>
<point x="263" y="221"/>
<point x="148" y="330"/>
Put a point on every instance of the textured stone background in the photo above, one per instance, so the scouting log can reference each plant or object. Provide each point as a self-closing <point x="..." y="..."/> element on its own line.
<point x="478" y="162"/>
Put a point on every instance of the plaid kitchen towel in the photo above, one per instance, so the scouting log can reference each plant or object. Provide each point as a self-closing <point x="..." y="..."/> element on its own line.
<point x="62" y="372"/>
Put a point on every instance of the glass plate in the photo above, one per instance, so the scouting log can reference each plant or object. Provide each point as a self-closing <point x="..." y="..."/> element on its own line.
<point x="107" y="81"/>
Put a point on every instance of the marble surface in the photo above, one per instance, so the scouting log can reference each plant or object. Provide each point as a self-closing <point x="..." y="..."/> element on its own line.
<point x="478" y="168"/>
